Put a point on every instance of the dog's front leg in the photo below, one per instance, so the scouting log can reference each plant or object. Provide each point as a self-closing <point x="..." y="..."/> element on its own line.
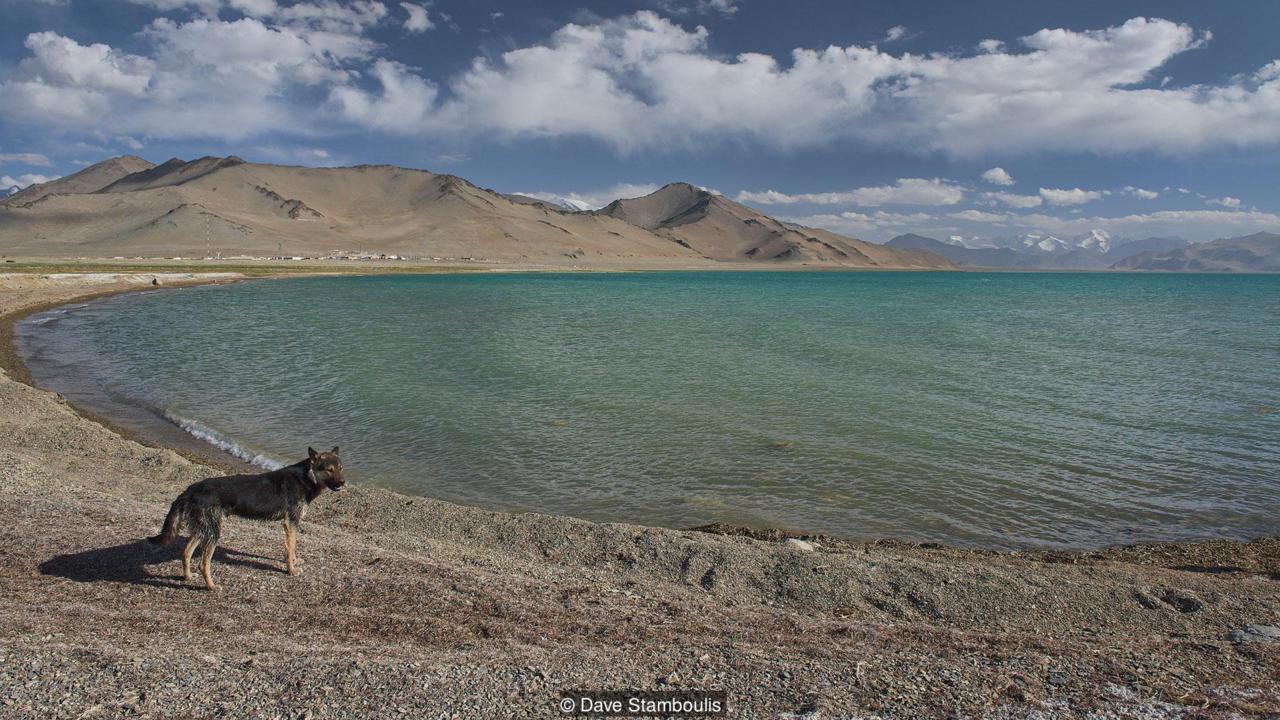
<point x="291" y="547"/>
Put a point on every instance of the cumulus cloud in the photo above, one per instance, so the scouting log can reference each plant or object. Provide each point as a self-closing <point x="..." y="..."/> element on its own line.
<point x="403" y="103"/>
<point x="1074" y="196"/>
<point x="417" y="21"/>
<point x="997" y="176"/>
<point x="906" y="191"/>
<point x="1228" y="201"/>
<point x="643" y="81"/>
<point x="879" y="224"/>
<point x="25" y="159"/>
<point x="22" y="181"/>
<point x="895" y="33"/>
<point x="1013" y="199"/>
<point x="203" y="77"/>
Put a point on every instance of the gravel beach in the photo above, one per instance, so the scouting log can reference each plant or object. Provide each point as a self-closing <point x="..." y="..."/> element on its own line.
<point x="413" y="607"/>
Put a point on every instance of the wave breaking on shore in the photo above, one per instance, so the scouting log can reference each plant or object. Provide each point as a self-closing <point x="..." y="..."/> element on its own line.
<point x="208" y="435"/>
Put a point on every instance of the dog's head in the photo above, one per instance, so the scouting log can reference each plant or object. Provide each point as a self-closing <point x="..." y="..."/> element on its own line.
<point x="326" y="467"/>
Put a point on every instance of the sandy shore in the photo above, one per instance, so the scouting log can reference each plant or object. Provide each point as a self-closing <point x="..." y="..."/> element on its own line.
<point x="413" y="607"/>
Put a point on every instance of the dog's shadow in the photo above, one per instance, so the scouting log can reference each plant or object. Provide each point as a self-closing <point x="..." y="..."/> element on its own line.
<point x="141" y="563"/>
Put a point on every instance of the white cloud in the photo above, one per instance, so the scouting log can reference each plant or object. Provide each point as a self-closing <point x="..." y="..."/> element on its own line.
<point x="981" y="216"/>
<point x="1014" y="200"/>
<point x="643" y="81"/>
<point x="63" y="82"/>
<point x="1140" y="193"/>
<point x="997" y="176"/>
<point x="878" y="224"/>
<point x="906" y="191"/>
<point x="597" y="199"/>
<point x="62" y="61"/>
<point x="417" y="21"/>
<point x="1074" y="196"/>
<point x="23" y="181"/>
<point x="310" y="156"/>
<point x="1228" y="201"/>
<point x="203" y="78"/>
<point x="895" y="33"/>
<point x="649" y="81"/>
<point x="25" y="159"/>
<point x="404" y="103"/>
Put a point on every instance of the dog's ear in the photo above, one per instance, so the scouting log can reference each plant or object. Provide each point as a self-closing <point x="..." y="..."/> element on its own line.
<point x="334" y="450"/>
<point x="311" y="453"/>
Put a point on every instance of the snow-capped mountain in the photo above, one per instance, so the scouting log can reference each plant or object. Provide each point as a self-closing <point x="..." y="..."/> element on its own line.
<point x="973" y="242"/>
<point x="569" y="203"/>
<point x="1099" y="240"/>
<point x="1036" y="242"/>
<point x="1094" y="241"/>
<point x="558" y="202"/>
<point x="1094" y="250"/>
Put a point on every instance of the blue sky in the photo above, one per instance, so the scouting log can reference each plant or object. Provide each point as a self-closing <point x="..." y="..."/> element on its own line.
<point x="869" y="118"/>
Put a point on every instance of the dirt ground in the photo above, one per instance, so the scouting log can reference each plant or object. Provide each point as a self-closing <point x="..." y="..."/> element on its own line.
<point x="413" y="607"/>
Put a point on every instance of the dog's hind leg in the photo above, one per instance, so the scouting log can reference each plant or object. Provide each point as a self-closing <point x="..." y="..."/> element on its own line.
<point x="187" y="552"/>
<point x="211" y="531"/>
<point x="206" y="562"/>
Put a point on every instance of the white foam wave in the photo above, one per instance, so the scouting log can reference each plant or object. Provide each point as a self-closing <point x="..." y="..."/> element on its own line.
<point x="222" y="442"/>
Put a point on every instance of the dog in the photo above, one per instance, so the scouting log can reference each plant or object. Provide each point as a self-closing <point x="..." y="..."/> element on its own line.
<point x="277" y="495"/>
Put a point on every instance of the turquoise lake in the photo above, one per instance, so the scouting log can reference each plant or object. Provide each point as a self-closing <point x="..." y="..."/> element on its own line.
<point x="989" y="409"/>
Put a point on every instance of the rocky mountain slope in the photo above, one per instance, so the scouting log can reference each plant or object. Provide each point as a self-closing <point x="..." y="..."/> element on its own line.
<point x="718" y="228"/>
<point x="231" y="207"/>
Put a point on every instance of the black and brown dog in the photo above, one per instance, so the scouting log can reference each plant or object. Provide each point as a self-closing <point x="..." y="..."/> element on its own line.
<point x="277" y="495"/>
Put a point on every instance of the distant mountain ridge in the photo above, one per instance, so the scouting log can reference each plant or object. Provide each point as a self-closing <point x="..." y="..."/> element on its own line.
<point x="1259" y="252"/>
<point x="129" y="206"/>
<point x="90" y="179"/>
<point x="1095" y="250"/>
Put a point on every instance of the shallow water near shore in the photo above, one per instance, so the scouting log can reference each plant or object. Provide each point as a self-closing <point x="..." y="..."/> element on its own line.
<point x="997" y="409"/>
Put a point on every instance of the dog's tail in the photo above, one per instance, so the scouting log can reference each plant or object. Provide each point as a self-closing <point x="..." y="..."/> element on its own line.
<point x="171" y="522"/>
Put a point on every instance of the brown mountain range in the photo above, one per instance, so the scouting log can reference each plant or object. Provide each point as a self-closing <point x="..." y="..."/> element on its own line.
<point x="127" y="206"/>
